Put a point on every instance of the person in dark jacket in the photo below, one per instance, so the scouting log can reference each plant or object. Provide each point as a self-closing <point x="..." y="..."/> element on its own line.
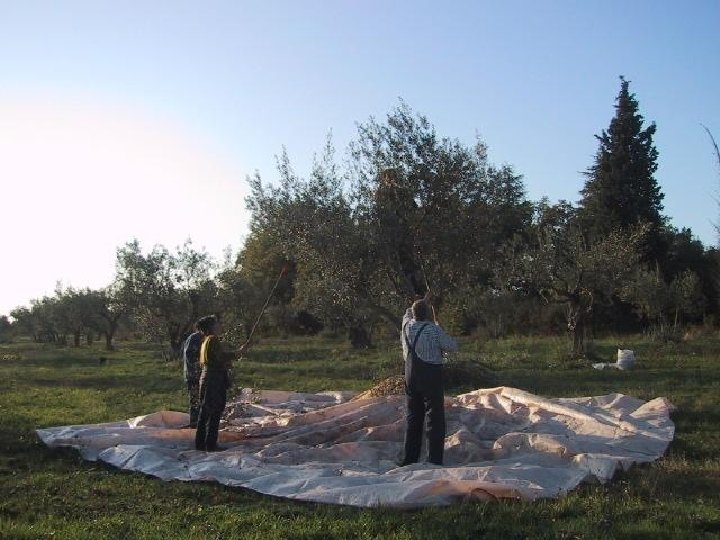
<point x="214" y="383"/>
<point x="424" y="344"/>
<point x="191" y="372"/>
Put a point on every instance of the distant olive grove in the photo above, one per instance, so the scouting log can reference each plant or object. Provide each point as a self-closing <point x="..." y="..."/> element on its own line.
<point x="405" y="210"/>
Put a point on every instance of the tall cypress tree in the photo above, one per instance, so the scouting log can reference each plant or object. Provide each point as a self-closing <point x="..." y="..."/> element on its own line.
<point x="620" y="190"/>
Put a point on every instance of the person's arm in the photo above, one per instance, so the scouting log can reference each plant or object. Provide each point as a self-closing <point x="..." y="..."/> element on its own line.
<point x="447" y="343"/>
<point x="222" y="359"/>
<point x="428" y="300"/>
<point x="192" y="358"/>
<point x="235" y="353"/>
<point x="407" y="317"/>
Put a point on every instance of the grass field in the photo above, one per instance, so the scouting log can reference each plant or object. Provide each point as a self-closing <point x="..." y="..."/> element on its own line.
<point x="48" y="493"/>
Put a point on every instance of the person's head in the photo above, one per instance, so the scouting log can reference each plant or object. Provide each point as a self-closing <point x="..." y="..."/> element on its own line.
<point x="208" y="325"/>
<point x="421" y="310"/>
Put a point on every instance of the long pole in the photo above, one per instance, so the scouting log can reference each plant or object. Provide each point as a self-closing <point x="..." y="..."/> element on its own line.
<point x="283" y="272"/>
<point x="245" y="345"/>
<point x="427" y="285"/>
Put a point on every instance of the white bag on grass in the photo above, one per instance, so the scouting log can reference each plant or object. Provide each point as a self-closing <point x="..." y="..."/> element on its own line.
<point x="625" y="360"/>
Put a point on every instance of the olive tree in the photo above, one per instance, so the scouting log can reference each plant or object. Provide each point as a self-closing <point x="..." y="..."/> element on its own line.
<point x="165" y="291"/>
<point x="560" y="265"/>
<point x="410" y="210"/>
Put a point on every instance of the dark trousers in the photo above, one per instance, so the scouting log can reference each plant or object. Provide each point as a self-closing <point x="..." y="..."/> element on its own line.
<point x="213" y="395"/>
<point x="193" y="388"/>
<point x="424" y="389"/>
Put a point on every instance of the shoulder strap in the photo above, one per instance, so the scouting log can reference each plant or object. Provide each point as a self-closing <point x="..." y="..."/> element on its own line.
<point x="412" y="347"/>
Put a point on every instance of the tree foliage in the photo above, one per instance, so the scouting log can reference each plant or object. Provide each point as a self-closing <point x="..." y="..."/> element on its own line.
<point x="620" y="189"/>
<point x="560" y="265"/>
<point x="433" y="204"/>
<point x="166" y="291"/>
<point x="419" y="210"/>
<point x="6" y="330"/>
<point x="665" y="304"/>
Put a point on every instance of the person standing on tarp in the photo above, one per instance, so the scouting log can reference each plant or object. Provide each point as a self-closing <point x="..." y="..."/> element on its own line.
<point x="214" y="383"/>
<point x="423" y="343"/>
<point x="191" y="372"/>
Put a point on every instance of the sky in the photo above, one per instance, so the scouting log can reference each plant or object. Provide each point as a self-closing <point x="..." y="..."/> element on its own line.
<point x="142" y="119"/>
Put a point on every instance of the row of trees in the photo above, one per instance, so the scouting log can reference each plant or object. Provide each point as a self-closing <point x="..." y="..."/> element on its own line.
<point x="408" y="210"/>
<point x="158" y="295"/>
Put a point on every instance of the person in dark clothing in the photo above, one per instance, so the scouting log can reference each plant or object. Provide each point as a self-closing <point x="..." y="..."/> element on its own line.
<point x="424" y="344"/>
<point x="214" y="382"/>
<point x="191" y="372"/>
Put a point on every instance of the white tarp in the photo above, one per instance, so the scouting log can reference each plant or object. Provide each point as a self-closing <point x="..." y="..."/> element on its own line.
<point x="501" y="442"/>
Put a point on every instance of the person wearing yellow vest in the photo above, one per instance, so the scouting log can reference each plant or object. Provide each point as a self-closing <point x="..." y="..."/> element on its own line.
<point x="214" y="383"/>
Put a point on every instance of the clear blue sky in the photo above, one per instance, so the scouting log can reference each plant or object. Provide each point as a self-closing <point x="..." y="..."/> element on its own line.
<point x="143" y="118"/>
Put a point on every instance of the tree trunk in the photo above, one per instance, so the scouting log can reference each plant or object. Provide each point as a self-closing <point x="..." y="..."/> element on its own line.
<point x="112" y="324"/>
<point x="175" y="348"/>
<point x="175" y="341"/>
<point x="392" y="318"/>
<point x="575" y="326"/>
<point x="359" y="336"/>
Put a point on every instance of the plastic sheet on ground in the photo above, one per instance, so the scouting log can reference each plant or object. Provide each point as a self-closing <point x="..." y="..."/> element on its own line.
<point x="501" y="443"/>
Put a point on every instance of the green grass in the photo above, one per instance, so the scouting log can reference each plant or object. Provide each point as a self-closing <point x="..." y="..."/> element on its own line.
<point x="47" y="493"/>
